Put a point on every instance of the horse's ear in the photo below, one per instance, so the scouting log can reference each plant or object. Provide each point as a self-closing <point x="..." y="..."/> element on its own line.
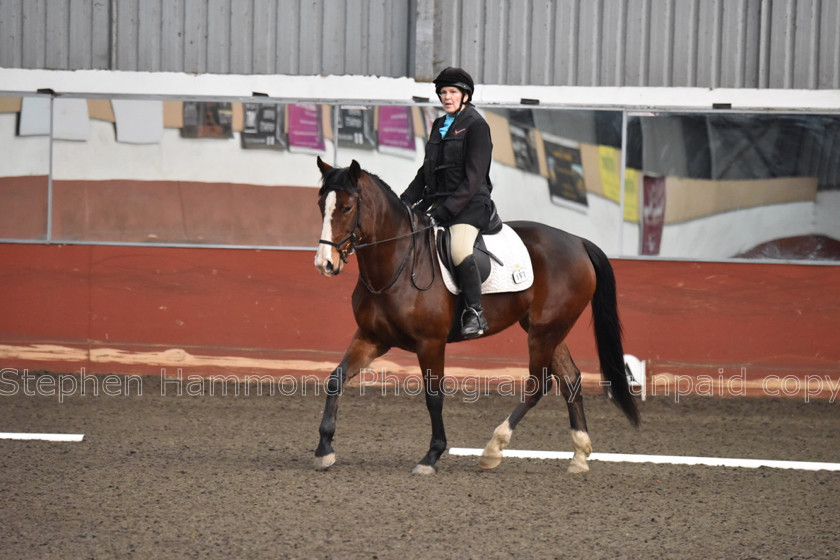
<point x="324" y="167"/>
<point x="355" y="172"/>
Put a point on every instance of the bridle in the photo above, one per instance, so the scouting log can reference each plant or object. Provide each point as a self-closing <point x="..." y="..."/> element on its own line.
<point x="353" y="244"/>
<point x="351" y="238"/>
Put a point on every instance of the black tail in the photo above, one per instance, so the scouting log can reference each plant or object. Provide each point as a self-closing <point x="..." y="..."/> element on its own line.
<point x="608" y="333"/>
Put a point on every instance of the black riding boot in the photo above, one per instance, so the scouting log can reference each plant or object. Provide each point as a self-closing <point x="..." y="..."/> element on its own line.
<point x="473" y="323"/>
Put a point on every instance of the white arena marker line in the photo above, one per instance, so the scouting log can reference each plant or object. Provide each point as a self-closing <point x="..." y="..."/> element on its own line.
<point x="42" y="437"/>
<point x="660" y="459"/>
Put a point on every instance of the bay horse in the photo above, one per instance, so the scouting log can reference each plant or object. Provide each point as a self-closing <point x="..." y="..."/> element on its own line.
<point x="395" y="309"/>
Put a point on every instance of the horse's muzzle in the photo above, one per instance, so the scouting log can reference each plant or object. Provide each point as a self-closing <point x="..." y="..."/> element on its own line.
<point x="325" y="265"/>
<point x="331" y="270"/>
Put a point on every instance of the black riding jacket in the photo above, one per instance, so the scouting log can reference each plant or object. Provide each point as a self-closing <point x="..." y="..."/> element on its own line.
<point x="456" y="169"/>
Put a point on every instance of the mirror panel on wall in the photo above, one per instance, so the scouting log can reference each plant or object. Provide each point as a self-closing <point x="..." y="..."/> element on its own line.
<point x="25" y="166"/>
<point x="559" y="167"/>
<point x="218" y="173"/>
<point x="727" y="185"/>
<point x="241" y="173"/>
<point x="211" y="172"/>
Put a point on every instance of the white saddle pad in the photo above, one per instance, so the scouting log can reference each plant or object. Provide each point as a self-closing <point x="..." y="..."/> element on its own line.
<point x="515" y="275"/>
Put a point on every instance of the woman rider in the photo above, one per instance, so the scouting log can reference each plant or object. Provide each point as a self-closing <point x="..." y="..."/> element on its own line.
<point x="453" y="185"/>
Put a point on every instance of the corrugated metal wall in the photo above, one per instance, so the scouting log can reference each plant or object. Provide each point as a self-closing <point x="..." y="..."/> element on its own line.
<point x="214" y="36"/>
<point x="703" y="43"/>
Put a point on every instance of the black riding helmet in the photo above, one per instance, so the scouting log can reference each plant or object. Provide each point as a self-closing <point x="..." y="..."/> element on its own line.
<point x="455" y="77"/>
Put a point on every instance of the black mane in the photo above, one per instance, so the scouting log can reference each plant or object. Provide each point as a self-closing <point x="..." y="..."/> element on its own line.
<point x="338" y="179"/>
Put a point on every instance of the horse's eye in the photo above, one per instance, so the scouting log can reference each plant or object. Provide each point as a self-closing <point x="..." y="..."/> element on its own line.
<point x="347" y="209"/>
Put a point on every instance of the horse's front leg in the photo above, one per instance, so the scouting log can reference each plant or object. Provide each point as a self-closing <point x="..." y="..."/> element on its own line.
<point x="431" y="357"/>
<point x="361" y="352"/>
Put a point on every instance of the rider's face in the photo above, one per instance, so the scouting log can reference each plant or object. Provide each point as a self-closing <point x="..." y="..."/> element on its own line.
<point x="451" y="98"/>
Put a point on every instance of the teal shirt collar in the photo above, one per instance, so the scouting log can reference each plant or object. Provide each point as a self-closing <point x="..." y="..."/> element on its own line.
<point x="447" y="122"/>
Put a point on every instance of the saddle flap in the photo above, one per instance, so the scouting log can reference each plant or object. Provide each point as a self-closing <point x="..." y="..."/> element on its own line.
<point x="505" y="256"/>
<point x="480" y="252"/>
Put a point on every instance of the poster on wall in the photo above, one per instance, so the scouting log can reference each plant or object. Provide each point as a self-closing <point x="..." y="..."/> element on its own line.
<point x="565" y="172"/>
<point x="138" y="121"/>
<point x="70" y="120"/>
<point x="306" y="132"/>
<point x="396" y="130"/>
<point x="609" y="168"/>
<point x="653" y="214"/>
<point x="263" y="127"/>
<point x="207" y="119"/>
<point x="524" y="150"/>
<point x="355" y="127"/>
<point x="631" y="195"/>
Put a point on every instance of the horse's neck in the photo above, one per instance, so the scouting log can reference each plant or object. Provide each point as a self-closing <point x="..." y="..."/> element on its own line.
<point x="387" y="219"/>
<point x="386" y="232"/>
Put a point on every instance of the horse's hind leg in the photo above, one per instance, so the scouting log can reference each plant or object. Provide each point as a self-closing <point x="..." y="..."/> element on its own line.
<point x="537" y="385"/>
<point x="570" y="387"/>
<point x="359" y="355"/>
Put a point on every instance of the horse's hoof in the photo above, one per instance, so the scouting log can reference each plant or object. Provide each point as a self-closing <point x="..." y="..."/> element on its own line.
<point x="577" y="466"/>
<point x="325" y="462"/>
<point x="491" y="457"/>
<point x="424" y="470"/>
<point x="488" y="461"/>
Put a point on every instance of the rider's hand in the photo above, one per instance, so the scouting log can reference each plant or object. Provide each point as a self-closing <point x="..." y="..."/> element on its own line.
<point x="439" y="214"/>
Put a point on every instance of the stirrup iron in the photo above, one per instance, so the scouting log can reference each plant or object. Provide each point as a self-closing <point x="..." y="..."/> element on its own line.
<point x="473" y="323"/>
